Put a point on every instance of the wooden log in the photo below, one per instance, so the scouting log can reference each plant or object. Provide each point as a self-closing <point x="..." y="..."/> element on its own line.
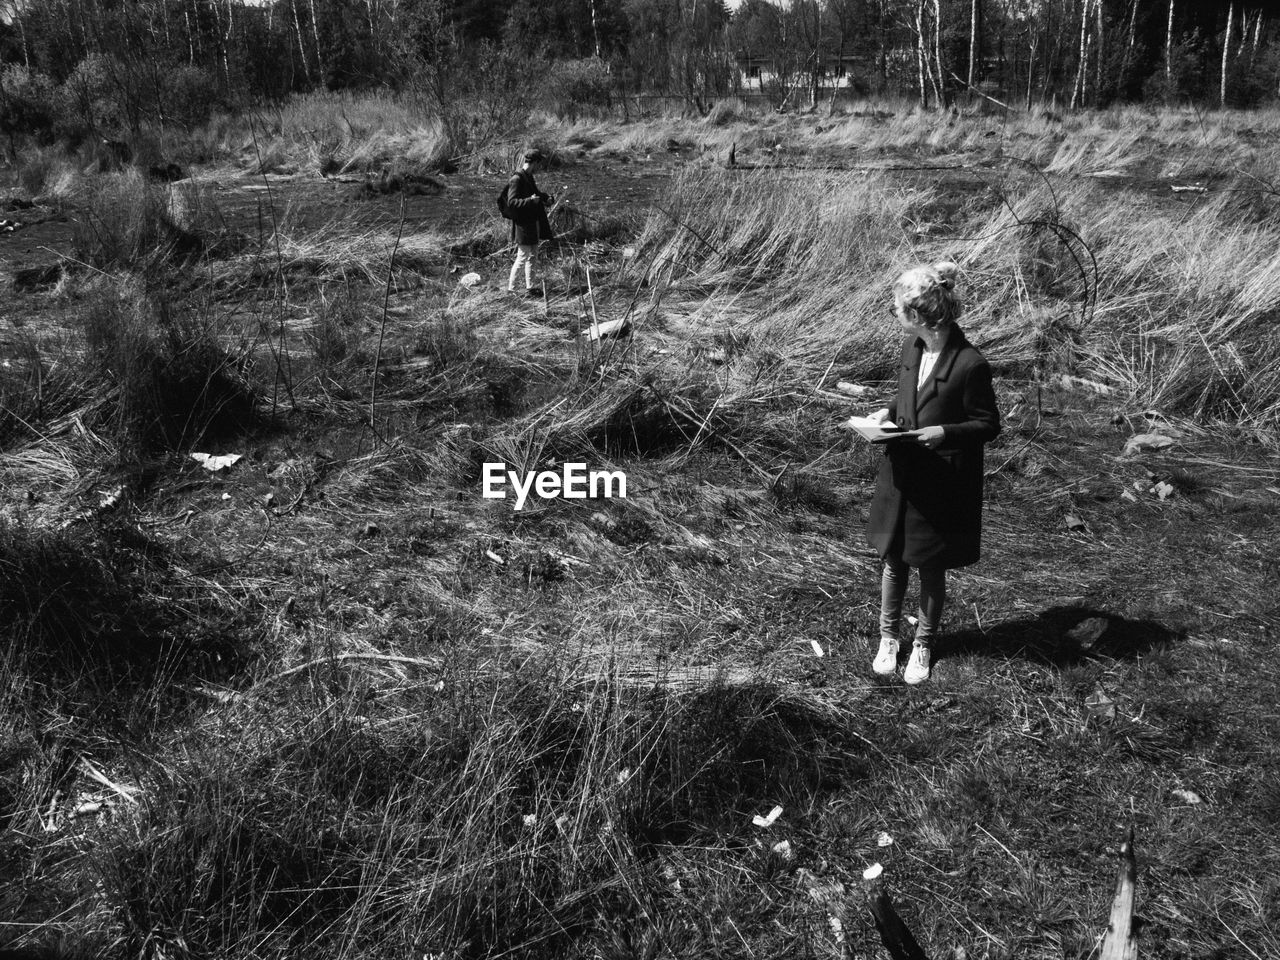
<point x="894" y="933"/>
<point x="609" y="328"/>
<point x="1121" y="941"/>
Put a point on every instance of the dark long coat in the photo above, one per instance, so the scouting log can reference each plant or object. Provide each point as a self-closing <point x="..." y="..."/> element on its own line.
<point x="529" y="222"/>
<point x="927" y="508"/>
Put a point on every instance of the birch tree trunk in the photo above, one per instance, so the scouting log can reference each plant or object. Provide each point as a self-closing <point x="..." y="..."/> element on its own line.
<point x="302" y="50"/>
<point x="1257" y="33"/>
<point x="315" y="35"/>
<point x="194" y="31"/>
<point x="168" y="38"/>
<point x="227" y="38"/>
<point x="221" y="50"/>
<point x="943" y="99"/>
<point x="1031" y="65"/>
<point x="1128" y="47"/>
<point x="1082" y="64"/>
<point x="1226" y="54"/>
<point x="1098" y="53"/>
<point x="973" y="40"/>
<point x="1168" y="48"/>
<point x="817" y="57"/>
<point x="920" y="55"/>
<point x="26" y="53"/>
<point x="595" y="30"/>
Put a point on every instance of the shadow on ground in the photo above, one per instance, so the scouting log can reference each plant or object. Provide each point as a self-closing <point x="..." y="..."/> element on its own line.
<point x="1061" y="636"/>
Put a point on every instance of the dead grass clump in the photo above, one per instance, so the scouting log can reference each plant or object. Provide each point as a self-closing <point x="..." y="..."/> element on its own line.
<point x="336" y="133"/>
<point x="337" y="334"/>
<point x="573" y="225"/>
<point x="134" y="224"/>
<point x="802" y="488"/>
<point x="34" y="388"/>
<point x="486" y="238"/>
<point x="728" y="110"/>
<point x="727" y="230"/>
<point x="159" y="378"/>
<point x="338" y="250"/>
<point x="46" y="172"/>
<point x="654" y="419"/>
<point x="619" y="419"/>
<point x="395" y="179"/>
<point x="80" y="600"/>
<point x="446" y="338"/>
<point x="489" y="811"/>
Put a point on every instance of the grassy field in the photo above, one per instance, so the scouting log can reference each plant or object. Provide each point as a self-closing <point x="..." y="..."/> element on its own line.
<point x="331" y="702"/>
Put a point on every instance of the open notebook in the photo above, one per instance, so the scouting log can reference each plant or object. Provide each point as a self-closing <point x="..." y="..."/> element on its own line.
<point x="874" y="430"/>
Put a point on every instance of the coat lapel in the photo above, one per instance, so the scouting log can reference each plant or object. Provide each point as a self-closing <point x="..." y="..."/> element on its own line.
<point x="941" y="368"/>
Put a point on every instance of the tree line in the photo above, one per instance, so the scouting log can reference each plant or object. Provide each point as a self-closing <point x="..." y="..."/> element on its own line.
<point x="93" y="64"/>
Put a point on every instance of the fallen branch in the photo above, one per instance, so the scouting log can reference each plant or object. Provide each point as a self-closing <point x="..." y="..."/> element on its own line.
<point x="974" y="89"/>
<point x="1121" y="942"/>
<point x="338" y="658"/>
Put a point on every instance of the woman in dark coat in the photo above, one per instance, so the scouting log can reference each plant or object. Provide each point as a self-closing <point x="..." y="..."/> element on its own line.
<point x="529" y="222"/>
<point x="927" y="509"/>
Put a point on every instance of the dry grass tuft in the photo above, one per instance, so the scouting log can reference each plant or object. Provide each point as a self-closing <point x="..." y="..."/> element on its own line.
<point x="133" y="223"/>
<point x="159" y="378"/>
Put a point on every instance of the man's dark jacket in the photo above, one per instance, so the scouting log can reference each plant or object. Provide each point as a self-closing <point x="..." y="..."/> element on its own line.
<point x="529" y="222"/>
<point x="928" y="503"/>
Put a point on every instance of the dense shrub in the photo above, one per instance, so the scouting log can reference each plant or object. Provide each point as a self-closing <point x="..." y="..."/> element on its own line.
<point x="502" y="85"/>
<point x="92" y="98"/>
<point x="28" y="104"/>
<point x="574" y="84"/>
<point x="190" y="94"/>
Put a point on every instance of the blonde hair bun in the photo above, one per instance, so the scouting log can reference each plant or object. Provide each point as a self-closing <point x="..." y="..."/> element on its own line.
<point x="947" y="272"/>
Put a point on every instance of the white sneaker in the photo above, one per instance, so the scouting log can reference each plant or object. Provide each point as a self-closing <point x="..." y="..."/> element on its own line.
<point x="918" y="666"/>
<point x="886" y="661"/>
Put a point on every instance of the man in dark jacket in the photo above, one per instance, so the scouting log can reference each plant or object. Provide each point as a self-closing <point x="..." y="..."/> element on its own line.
<point x="529" y="224"/>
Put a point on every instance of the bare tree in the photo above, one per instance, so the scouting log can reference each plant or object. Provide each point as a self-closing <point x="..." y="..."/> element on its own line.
<point x="941" y="87"/>
<point x="1226" y="54"/>
<point x="1128" y="47"/>
<point x="973" y="40"/>
<point x="1078" y="89"/>
<point x="921" y="59"/>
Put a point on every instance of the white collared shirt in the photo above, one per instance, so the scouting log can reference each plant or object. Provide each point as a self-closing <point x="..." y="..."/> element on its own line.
<point x="927" y="360"/>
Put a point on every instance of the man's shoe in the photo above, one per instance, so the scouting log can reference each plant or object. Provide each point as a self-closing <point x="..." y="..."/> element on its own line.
<point x="918" y="666"/>
<point x="886" y="661"/>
